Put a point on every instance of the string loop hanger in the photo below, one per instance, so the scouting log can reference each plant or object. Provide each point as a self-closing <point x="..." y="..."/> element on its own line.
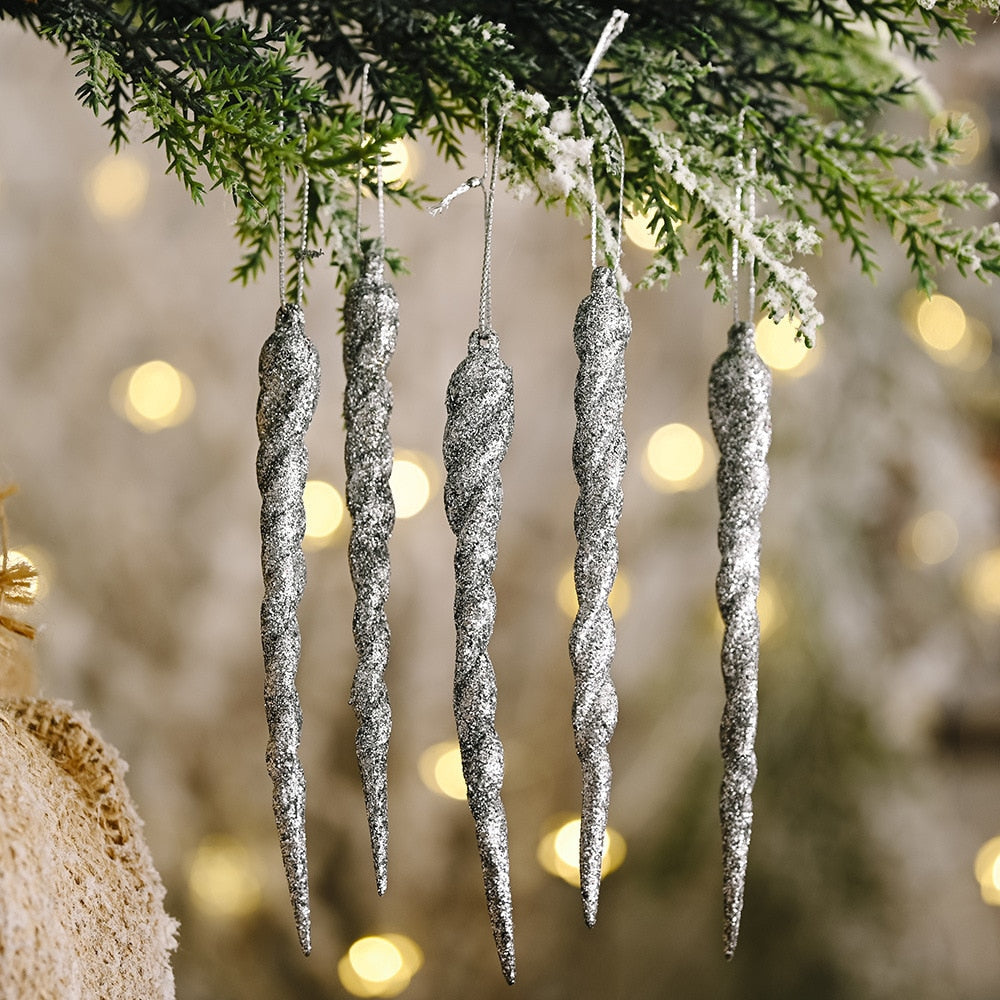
<point x="363" y="102"/>
<point x="612" y="30"/>
<point x="487" y="181"/>
<point x="301" y="253"/>
<point x="745" y="196"/>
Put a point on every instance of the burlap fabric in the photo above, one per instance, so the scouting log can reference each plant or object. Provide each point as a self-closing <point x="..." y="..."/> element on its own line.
<point x="81" y="905"/>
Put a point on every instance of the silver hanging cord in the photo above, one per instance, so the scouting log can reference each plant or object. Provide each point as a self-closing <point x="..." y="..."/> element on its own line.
<point x="363" y="101"/>
<point x="303" y="253"/>
<point x="486" y="291"/>
<point x="752" y="211"/>
<point x="380" y="186"/>
<point x="381" y="198"/>
<point x="472" y="182"/>
<point x="281" y="235"/>
<point x="751" y="217"/>
<point x="611" y="31"/>
<point x="488" y="182"/>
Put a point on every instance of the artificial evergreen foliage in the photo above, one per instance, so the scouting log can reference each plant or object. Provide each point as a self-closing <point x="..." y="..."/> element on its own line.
<point x="240" y="96"/>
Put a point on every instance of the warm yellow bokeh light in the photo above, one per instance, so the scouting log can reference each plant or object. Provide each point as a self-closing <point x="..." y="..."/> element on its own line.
<point x="379" y="965"/>
<point x="117" y="187"/>
<point x="977" y="135"/>
<point x="399" y="162"/>
<point x="941" y="322"/>
<point x="440" y="768"/>
<point x="770" y="609"/>
<point x="618" y="600"/>
<point x="777" y="345"/>
<point x="929" y="539"/>
<point x="974" y="349"/>
<point x="559" y="850"/>
<point x="982" y="583"/>
<point x="411" y="483"/>
<point x="155" y="390"/>
<point x="674" y="459"/>
<point x="324" y="513"/>
<point x="987" y="869"/>
<point x="638" y="232"/>
<point x="153" y="396"/>
<point x="223" y="878"/>
<point x="771" y="612"/>
<point x="375" y="959"/>
<point x="945" y="331"/>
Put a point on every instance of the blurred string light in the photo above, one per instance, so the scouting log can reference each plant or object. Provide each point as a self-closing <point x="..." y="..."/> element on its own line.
<point x="777" y="345"/>
<point x="945" y="331"/>
<point x="440" y="768"/>
<point x="379" y="965"/>
<point x="987" y="869"/>
<point x="324" y="514"/>
<point x="399" y="162"/>
<point x="638" y="231"/>
<point x="618" y="600"/>
<point x="929" y="539"/>
<point x="38" y="586"/>
<point x="977" y="134"/>
<point x="982" y="583"/>
<point x="117" y="186"/>
<point x="413" y="482"/>
<point x="223" y="878"/>
<point x="638" y="225"/>
<point x="675" y="459"/>
<point x="770" y="609"/>
<point x="153" y="396"/>
<point x="559" y="850"/>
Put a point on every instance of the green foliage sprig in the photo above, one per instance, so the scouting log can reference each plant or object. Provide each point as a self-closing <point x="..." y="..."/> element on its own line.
<point x="246" y="97"/>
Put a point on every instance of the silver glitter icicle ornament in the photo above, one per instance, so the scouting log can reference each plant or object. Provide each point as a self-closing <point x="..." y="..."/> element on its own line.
<point x="600" y="333"/>
<point x="738" y="402"/>
<point x="289" y="388"/>
<point x="371" y="324"/>
<point x="480" y="407"/>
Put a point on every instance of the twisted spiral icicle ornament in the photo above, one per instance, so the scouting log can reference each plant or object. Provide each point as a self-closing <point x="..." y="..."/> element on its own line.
<point x="371" y="324"/>
<point x="600" y="333"/>
<point x="480" y="407"/>
<point x="289" y="388"/>
<point x="738" y="401"/>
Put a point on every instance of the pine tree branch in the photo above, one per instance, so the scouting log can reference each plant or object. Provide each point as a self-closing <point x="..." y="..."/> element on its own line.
<point x="241" y="98"/>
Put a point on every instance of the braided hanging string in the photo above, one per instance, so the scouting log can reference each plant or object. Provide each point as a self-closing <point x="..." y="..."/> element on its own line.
<point x="371" y="325"/>
<point x="600" y="335"/>
<point x="480" y="420"/>
<point x="289" y="388"/>
<point x="739" y="408"/>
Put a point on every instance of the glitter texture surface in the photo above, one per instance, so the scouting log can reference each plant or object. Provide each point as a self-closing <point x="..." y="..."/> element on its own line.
<point x="600" y="333"/>
<point x="738" y="402"/>
<point x="371" y="324"/>
<point x="289" y="388"/>
<point x="480" y="407"/>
